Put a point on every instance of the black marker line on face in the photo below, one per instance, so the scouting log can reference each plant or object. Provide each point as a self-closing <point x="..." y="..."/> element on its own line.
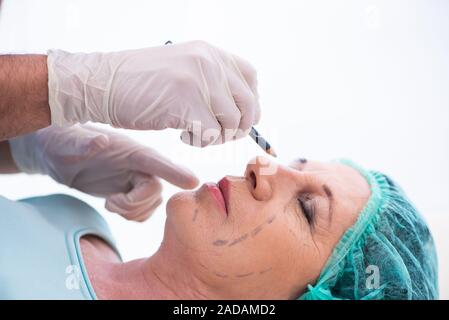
<point x="244" y="275"/>
<point x="240" y="239"/>
<point x="271" y="219"/>
<point x="202" y="265"/>
<point x="194" y="215"/>
<point x="220" y="242"/>
<point x="256" y="230"/>
<point x="221" y="275"/>
<point x="265" y="271"/>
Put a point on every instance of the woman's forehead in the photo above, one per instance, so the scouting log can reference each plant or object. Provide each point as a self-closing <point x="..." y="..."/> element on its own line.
<point x="298" y="163"/>
<point x="317" y="169"/>
<point x="303" y="164"/>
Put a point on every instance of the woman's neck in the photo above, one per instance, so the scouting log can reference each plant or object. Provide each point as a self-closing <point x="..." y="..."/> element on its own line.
<point x="148" y="278"/>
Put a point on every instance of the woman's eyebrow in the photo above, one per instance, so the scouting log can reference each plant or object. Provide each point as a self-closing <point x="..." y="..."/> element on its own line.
<point x="300" y="162"/>
<point x="330" y="197"/>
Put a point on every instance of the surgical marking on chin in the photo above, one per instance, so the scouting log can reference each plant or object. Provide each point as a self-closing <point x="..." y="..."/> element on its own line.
<point x="244" y="275"/>
<point x="239" y="239"/>
<point x="220" y="242"/>
<point x="194" y="215"/>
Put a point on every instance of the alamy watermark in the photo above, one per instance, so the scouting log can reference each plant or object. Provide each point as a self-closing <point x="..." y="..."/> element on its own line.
<point x="198" y="136"/>
<point x="373" y="277"/>
<point x="73" y="278"/>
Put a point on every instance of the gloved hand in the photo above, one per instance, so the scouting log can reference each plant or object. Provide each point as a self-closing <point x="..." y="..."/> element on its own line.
<point x="191" y="86"/>
<point x="101" y="163"/>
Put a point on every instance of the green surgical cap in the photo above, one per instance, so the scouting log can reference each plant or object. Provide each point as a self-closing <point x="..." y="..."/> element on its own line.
<point x="388" y="253"/>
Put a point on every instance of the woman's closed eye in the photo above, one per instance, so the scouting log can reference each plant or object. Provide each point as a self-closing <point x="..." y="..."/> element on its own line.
<point x="307" y="205"/>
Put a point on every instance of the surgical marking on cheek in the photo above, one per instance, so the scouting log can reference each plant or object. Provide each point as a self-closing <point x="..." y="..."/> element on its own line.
<point x="271" y="219"/>
<point x="194" y="215"/>
<point x="244" y="275"/>
<point x="266" y="270"/>
<point x="239" y="239"/>
<point x="221" y="275"/>
<point x="256" y="230"/>
<point x="220" y="242"/>
<point x="203" y="266"/>
<point x="291" y="232"/>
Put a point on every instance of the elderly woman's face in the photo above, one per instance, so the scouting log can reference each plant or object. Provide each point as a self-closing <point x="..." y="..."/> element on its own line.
<point x="267" y="234"/>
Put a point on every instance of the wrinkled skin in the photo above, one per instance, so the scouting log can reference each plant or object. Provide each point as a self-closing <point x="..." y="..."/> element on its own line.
<point x="265" y="246"/>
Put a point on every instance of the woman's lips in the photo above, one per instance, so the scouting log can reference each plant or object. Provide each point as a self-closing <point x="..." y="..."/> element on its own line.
<point x="223" y="184"/>
<point x="216" y="193"/>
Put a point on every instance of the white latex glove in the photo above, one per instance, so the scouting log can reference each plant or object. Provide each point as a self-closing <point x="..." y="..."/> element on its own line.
<point x="101" y="163"/>
<point x="191" y="86"/>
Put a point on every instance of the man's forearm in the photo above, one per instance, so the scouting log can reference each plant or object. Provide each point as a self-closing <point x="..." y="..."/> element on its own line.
<point x="23" y="94"/>
<point x="7" y="164"/>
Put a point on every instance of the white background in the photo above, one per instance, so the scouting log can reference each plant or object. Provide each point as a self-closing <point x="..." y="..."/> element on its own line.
<point x="368" y="80"/>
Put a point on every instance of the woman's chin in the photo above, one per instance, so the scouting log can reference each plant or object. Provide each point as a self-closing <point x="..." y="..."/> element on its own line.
<point x="181" y="202"/>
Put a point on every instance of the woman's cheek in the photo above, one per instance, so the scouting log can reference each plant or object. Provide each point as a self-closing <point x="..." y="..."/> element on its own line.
<point x="244" y="261"/>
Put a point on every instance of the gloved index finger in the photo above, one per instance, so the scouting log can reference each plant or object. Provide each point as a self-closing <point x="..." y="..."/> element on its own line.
<point x="151" y="162"/>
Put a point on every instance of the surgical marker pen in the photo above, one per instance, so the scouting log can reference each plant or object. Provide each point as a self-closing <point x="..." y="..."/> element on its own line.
<point x="254" y="134"/>
<point x="262" y="142"/>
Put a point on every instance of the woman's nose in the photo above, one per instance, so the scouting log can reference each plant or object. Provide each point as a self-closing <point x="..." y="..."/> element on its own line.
<point x="259" y="175"/>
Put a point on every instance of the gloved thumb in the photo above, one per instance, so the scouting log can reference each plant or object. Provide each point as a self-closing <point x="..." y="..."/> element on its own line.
<point x="140" y="202"/>
<point x="83" y="145"/>
<point x="94" y="143"/>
